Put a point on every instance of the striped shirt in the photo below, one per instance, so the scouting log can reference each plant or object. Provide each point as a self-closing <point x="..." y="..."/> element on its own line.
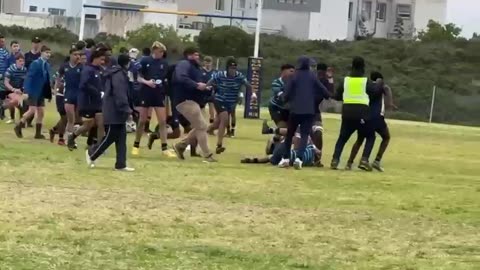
<point x="16" y="76"/>
<point x="308" y="156"/>
<point x="277" y="90"/>
<point x="227" y="89"/>
<point x="4" y="60"/>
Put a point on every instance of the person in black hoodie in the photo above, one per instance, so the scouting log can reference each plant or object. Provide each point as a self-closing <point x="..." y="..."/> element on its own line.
<point x="90" y="99"/>
<point x="301" y="93"/>
<point x="117" y="107"/>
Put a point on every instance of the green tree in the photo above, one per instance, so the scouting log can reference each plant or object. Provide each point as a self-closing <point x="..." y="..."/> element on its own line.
<point x="437" y="32"/>
<point x="226" y="41"/>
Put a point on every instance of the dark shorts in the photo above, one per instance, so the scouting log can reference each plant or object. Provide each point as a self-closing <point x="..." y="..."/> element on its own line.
<point x="88" y="114"/>
<point x="380" y="125"/>
<point x="72" y="100"/>
<point x="149" y="98"/>
<point x="278" y="114"/>
<point x="224" y="106"/>
<point x="60" y="103"/>
<point x="36" y="102"/>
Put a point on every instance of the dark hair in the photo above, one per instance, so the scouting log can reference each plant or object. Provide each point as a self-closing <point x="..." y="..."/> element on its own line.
<point x="2" y="36"/>
<point x="322" y="67"/>
<point x="231" y="62"/>
<point x="13" y="42"/>
<point x="376" y="75"/>
<point x="103" y="46"/>
<point x="80" y="45"/>
<point x="358" y="64"/>
<point x="45" y="48"/>
<point x="97" y="53"/>
<point x="123" y="50"/>
<point x="19" y="55"/>
<point x="189" y="51"/>
<point x="287" y="66"/>
<point x="123" y="60"/>
<point x="146" y="51"/>
<point x="72" y="50"/>
<point x="89" y="43"/>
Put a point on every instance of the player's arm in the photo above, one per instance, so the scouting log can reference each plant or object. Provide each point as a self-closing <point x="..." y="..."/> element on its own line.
<point x="339" y="93"/>
<point x="8" y="86"/>
<point x="182" y="76"/>
<point x="389" y="98"/>
<point x="322" y="89"/>
<point x="142" y="74"/>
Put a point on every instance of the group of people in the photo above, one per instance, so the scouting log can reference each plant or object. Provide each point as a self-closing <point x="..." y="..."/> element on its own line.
<point x="99" y="96"/>
<point x="295" y="108"/>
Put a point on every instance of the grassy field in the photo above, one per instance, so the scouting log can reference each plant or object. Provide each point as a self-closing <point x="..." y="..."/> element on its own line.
<point x="423" y="213"/>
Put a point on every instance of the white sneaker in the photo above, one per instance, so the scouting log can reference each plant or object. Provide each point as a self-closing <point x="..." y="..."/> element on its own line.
<point x="126" y="169"/>
<point x="10" y="121"/>
<point x="284" y="163"/>
<point x="90" y="163"/>
<point x="297" y="164"/>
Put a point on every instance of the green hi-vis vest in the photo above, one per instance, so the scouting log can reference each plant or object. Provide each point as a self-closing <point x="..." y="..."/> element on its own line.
<point x="355" y="91"/>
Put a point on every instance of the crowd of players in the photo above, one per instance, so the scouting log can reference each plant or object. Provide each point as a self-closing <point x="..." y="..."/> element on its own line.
<point x="101" y="97"/>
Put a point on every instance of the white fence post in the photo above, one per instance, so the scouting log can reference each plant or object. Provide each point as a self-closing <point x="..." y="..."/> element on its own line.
<point x="433" y="103"/>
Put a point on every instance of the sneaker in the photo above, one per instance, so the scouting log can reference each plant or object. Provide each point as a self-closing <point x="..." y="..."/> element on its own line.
<point x="265" y="127"/>
<point x="297" y="164"/>
<point x="51" y="133"/>
<point x="90" y="163"/>
<point x="220" y="149"/>
<point x="61" y="142"/>
<point x="135" y="151"/>
<point x="365" y="165"/>
<point x="210" y="159"/>
<point x="169" y="153"/>
<point x="71" y="142"/>
<point x="377" y="166"/>
<point x="334" y="165"/>
<point x="126" y="169"/>
<point x="349" y="166"/>
<point x="284" y="163"/>
<point x="151" y="139"/>
<point x="232" y="133"/>
<point x="10" y="121"/>
<point x="18" y="130"/>
<point x="40" y="137"/>
<point x="180" y="151"/>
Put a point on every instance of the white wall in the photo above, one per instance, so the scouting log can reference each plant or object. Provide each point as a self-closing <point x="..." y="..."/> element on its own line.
<point x="157" y="18"/>
<point x="426" y="10"/>
<point x="331" y="23"/>
<point x="293" y="24"/>
<point x="72" y="7"/>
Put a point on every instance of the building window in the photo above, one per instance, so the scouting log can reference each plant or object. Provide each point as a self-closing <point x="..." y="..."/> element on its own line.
<point x="404" y="11"/>
<point x="382" y="12"/>
<point x="56" y="11"/>
<point x="32" y="9"/>
<point x="242" y="3"/>
<point x="220" y="5"/>
<point x="350" y="11"/>
<point x="297" y="2"/>
<point x="367" y="9"/>
<point x="90" y="16"/>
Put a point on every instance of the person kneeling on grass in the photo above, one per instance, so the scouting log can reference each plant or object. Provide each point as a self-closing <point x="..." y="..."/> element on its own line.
<point x="275" y="149"/>
<point x="117" y="107"/>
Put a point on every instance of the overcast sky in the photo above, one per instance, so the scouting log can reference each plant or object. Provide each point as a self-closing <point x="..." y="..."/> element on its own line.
<point x="466" y="14"/>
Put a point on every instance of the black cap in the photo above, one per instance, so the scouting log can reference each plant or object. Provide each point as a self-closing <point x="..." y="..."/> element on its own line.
<point x="36" y="40"/>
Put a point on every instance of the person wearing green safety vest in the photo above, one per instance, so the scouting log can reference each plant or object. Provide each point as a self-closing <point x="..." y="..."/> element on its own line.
<point x="356" y="91"/>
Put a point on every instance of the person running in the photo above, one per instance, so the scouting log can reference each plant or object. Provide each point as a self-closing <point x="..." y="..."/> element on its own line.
<point x="14" y="79"/>
<point x="356" y="91"/>
<point x="153" y="94"/>
<point x="4" y="65"/>
<point x="90" y="93"/>
<point x="301" y="93"/>
<point x="37" y="87"/>
<point x="277" y="108"/>
<point x="377" y="114"/>
<point x="68" y="82"/>
<point x="188" y="86"/>
<point x="227" y="86"/>
<point x="117" y="107"/>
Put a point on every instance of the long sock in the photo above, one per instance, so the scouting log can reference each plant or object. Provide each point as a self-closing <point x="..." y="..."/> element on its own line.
<point x="164" y="146"/>
<point x="147" y="126"/>
<point x="136" y="144"/>
<point x="38" y="129"/>
<point x="382" y="149"/>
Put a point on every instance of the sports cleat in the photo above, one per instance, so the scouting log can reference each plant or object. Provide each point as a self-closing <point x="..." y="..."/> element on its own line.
<point x="151" y="139"/>
<point x="40" y="137"/>
<point x="220" y="149"/>
<point x="334" y="165"/>
<point x="349" y="166"/>
<point x="265" y="127"/>
<point x="180" y="151"/>
<point x="51" y="134"/>
<point x="297" y="164"/>
<point x="284" y="163"/>
<point x="168" y="153"/>
<point x="126" y="169"/>
<point x="210" y="159"/>
<point x="61" y="142"/>
<point x="232" y="133"/>
<point x="18" y="130"/>
<point x="71" y="142"/>
<point x="135" y="151"/>
<point x="377" y="166"/>
<point x="365" y="165"/>
<point x="90" y="163"/>
<point x="10" y="121"/>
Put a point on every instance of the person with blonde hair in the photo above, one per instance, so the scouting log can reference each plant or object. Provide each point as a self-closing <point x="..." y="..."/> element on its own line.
<point x="152" y="78"/>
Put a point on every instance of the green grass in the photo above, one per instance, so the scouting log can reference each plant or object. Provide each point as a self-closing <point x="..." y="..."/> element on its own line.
<point x="423" y="213"/>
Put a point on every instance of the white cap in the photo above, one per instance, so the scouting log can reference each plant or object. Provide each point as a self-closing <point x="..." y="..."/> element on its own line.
<point x="133" y="53"/>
